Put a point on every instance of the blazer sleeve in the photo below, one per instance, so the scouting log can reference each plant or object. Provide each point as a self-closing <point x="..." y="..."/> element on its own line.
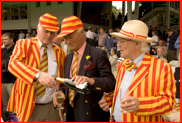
<point x="164" y="101"/>
<point x="17" y="64"/>
<point x="106" y="81"/>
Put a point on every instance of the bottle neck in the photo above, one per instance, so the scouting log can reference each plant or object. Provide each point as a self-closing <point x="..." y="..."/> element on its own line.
<point x="60" y="79"/>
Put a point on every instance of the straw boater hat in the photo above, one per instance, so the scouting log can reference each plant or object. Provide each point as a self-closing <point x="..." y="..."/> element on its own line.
<point x="135" y="30"/>
<point x="69" y="25"/>
<point x="49" y="22"/>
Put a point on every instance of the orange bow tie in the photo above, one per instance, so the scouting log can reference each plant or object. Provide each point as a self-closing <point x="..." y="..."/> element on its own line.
<point x="129" y="66"/>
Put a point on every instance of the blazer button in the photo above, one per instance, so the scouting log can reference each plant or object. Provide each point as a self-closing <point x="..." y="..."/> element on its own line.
<point x="86" y="101"/>
<point x="87" y="113"/>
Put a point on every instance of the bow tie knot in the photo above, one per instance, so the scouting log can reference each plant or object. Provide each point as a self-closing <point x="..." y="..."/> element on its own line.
<point x="129" y="66"/>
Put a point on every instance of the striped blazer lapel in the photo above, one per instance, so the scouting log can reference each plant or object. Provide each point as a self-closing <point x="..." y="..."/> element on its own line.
<point x="60" y="59"/>
<point x="36" y="52"/>
<point x="140" y="74"/>
<point x="120" y="73"/>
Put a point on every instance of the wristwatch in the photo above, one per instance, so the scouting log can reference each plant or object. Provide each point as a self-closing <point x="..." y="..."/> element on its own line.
<point x="37" y="75"/>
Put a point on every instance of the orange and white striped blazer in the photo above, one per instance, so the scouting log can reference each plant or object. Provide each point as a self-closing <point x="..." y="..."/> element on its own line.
<point x="153" y="84"/>
<point x="24" y="64"/>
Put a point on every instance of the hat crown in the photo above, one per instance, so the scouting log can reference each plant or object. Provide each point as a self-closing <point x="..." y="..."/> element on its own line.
<point x="69" y="25"/>
<point x="136" y="27"/>
<point x="49" y="22"/>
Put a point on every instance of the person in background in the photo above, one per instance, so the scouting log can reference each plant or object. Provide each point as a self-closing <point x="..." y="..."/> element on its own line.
<point x="84" y="64"/>
<point x="58" y="40"/>
<point x="160" y="54"/>
<point x="113" y="16"/>
<point x="106" y="50"/>
<point x="145" y="88"/>
<point x="177" y="46"/>
<point x="28" y="35"/>
<point x="21" y="35"/>
<point x="110" y="41"/>
<point x="171" y="54"/>
<point x="155" y="37"/>
<point x="90" y="34"/>
<point x="164" y="34"/>
<point x="35" y="62"/>
<point x="113" y="59"/>
<point x="7" y="79"/>
<point x="163" y="44"/>
<point x="118" y="30"/>
<point x="102" y="37"/>
<point x="152" y="51"/>
<point x="119" y="15"/>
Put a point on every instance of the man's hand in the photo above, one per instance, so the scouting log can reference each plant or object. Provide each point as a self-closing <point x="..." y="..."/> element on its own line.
<point x="130" y="104"/>
<point x="153" y="51"/>
<point x="168" y="39"/>
<point x="58" y="93"/>
<point x="103" y="103"/>
<point x="46" y="80"/>
<point x="82" y="79"/>
<point x="3" y="70"/>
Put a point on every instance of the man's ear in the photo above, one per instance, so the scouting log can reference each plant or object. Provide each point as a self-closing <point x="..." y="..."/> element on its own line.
<point x="138" y="44"/>
<point x="82" y="32"/>
<point x="11" y="40"/>
<point x="37" y="29"/>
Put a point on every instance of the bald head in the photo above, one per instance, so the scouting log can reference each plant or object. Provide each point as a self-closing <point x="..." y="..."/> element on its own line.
<point x="160" y="51"/>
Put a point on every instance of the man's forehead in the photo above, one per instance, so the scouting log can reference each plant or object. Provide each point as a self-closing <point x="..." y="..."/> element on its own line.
<point x="5" y="37"/>
<point x="70" y="34"/>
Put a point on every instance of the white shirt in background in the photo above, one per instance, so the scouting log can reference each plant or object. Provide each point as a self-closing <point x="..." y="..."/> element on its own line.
<point x="91" y="34"/>
<point x="155" y="39"/>
<point x="21" y="36"/>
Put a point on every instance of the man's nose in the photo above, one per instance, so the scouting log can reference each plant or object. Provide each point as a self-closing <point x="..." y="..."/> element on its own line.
<point x="49" y="33"/>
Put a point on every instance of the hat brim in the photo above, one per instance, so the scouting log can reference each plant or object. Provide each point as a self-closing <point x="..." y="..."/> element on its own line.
<point x="118" y="35"/>
<point x="50" y="28"/>
<point x="62" y="34"/>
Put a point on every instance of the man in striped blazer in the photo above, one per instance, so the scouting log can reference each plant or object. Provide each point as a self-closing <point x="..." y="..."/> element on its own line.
<point x="34" y="62"/>
<point x="145" y="88"/>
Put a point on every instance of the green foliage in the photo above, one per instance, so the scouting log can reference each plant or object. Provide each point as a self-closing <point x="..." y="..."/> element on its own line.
<point x="174" y="20"/>
<point x="116" y="11"/>
<point x="159" y="18"/>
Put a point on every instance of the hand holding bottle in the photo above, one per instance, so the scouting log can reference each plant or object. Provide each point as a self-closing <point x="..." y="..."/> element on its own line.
<point x="81" y="88"/>
<point x="58" y="93"/>
<point x="82" y="79"/>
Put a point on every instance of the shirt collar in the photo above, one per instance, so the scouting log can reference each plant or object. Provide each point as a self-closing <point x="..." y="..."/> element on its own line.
<point x="138" y="60"/>
<point x="40" y="44"/>
<point x="81" y="50"/>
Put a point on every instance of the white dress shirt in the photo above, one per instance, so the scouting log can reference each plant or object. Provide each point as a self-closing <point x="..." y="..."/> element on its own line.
<point x="90" y="34"/>
<point x="125" y="82"/>
<point x="52" y="70"/>
<point x="155" y="39"/>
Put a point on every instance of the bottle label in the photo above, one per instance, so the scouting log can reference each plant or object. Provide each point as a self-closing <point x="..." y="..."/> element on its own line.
<point x="81" y="86"/>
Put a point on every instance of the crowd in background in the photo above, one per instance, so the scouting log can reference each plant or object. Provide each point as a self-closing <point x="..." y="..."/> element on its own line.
<point x="166" y="46"/>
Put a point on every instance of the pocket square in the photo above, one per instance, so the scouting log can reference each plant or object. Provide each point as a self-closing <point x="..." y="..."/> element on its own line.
<point x="89" y="66"/>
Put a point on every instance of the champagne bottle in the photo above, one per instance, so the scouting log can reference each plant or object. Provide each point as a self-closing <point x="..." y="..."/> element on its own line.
<point x="81" y="88"/>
